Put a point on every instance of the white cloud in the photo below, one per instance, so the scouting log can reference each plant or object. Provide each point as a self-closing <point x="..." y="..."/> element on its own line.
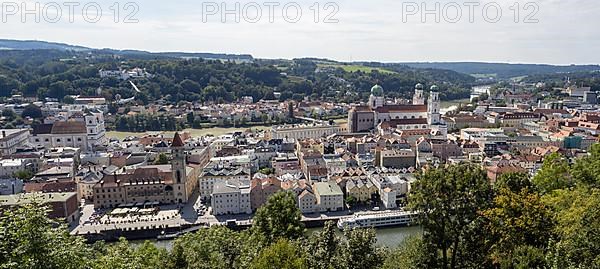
<point x="367" y="30"/>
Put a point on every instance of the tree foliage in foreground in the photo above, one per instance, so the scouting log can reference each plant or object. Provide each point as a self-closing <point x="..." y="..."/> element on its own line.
<point x="518" y="223"/>
<point x="554" y="174"/>
<point x="450" y="200"/>
<point x="279" y="218"/>
<point x="28" y="239"/>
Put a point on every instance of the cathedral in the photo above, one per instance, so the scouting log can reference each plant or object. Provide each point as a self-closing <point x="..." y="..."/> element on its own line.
<point x="379" y="115"/>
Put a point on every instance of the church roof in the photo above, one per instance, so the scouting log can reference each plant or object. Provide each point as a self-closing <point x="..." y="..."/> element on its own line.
<point x="401" y="108"/>
<point x="395" y="122"/>
<point x="363" y="109"/>
<point x="68" y="127"/>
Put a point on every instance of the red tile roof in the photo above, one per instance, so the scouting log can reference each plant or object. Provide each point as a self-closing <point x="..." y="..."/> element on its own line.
<point x="69" y="127"/>
<point x="402" y="108"/>
<point x="396" y="122"/>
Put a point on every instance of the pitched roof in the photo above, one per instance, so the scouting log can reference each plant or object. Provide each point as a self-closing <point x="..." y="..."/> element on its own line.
<point x="395" y="122"/>
<point x="42" y="129"/>
<point x="69" y="127"/>
<point x="402" y="108"/>
<point x="177" y="141"/>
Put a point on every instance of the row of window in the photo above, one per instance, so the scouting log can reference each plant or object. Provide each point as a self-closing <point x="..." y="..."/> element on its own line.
<point x="98" y="196"/>
<point x="57" y="140"/>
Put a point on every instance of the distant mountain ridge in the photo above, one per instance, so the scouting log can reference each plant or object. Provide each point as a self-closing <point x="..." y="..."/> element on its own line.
<point x="503" y="70"/>
<point x="483" y="69"/>
<point x="7" y="44"/>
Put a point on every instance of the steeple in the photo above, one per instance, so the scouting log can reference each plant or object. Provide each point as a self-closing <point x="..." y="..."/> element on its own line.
<point x="177" y="141"/>
<point x="178" y="163"/>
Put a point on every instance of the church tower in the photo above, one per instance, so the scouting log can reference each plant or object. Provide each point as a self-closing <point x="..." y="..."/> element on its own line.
<point x="376" y="99"/>
<point x="418" y="98"/>
<point x="178" y="166"/>
<point x="433" y="107"/>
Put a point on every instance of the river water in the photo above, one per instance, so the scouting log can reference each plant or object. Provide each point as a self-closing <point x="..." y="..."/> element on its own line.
<point x="386" y="237"/>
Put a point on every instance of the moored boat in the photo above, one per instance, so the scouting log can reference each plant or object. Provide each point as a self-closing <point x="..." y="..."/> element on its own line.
<point x="379" y="219"/>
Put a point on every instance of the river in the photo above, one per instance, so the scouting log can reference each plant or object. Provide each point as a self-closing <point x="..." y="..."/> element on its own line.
<point x="387" y="237"/>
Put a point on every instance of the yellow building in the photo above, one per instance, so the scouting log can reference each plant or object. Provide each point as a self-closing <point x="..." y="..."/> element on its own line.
<point x="361" y="189"/>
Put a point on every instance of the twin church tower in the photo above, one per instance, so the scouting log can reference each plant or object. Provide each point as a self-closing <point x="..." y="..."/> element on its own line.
<point x="415" y="116"/>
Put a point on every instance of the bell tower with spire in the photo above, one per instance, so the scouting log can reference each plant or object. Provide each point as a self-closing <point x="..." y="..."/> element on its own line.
<point x="178" y="167"/>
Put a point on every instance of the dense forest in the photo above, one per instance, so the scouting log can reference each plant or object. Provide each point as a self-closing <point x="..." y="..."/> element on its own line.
<point x="9" y="44"/>
<point x="549" y="220"/>
<point x="56" y="73"/>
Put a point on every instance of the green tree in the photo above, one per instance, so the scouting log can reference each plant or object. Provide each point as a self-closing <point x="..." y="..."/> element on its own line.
<point x="359" y="250"/>
<point x="177" y="259"/>
<point x="586" y="170"/>
<point x="68" y="99"/>
<point x="31" y="240"/>
<point x="449" y="200"/>
<point x="266" y="171"/>
<point x="411" y="254"/>
<point x="190" y="118"/>
<point x="283" y="254"/>
<point x="24" y="174"/>
<point x="514" y="182"/>
<point x="519" y="222"/>
<point x="351" y="200"/>
<point x="525" y="257"/>
<point x="123" y="255"/>
<point x="162" y="159"/>
<point x="264" y="118"/>
<point x="216" y="247"/>
<point x="324" y="248"/>
<point x="32" y="111"/>
<point x="9" y="114"/>
<point x="279" y="218"/>
<point x="553" y="175"/>
<point x="577" y="214"/>
<point x="58" y="89"/>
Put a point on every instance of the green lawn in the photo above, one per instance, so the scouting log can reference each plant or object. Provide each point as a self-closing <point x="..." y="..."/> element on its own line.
<point x="447" y="104"/>
<point x="484" y="75"/>
<point x="518" y="79"/>
<point x="296" y="79"/>
<point x="356" y="68"/>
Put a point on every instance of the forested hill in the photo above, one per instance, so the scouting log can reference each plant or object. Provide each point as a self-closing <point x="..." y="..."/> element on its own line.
<point x="7" y="44"/>
<point x="503" y="70"/>
<point x="56" y="73"/>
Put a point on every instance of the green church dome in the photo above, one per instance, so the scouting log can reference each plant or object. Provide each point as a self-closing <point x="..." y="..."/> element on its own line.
<point x="377" y="90"/>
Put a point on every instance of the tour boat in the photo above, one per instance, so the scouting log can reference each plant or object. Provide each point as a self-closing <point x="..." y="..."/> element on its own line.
<point x="379" y="219"/>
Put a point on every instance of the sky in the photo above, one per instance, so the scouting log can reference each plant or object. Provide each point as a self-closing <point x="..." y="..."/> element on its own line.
<point x="542" y="31"/>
